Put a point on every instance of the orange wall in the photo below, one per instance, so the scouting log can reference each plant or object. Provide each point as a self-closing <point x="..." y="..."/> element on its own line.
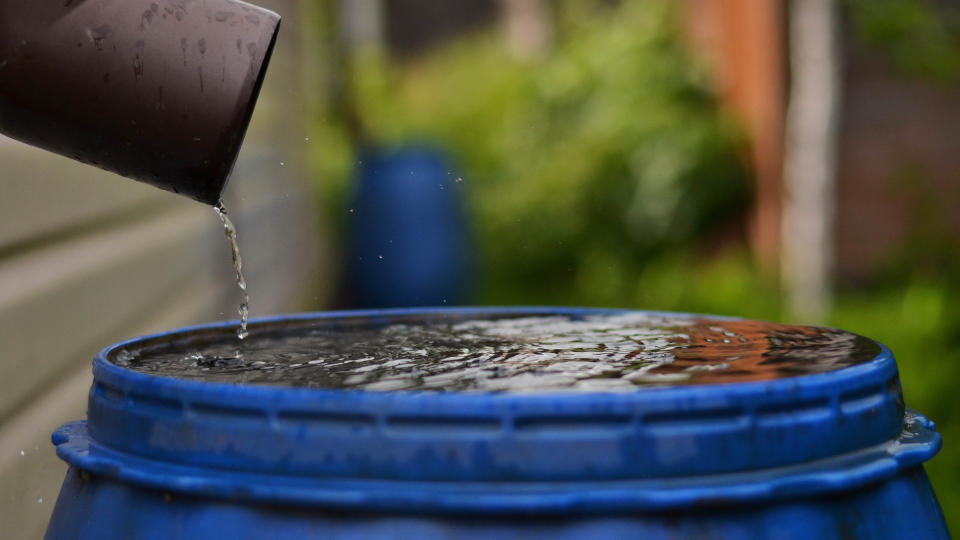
<point x="743" y="44"/>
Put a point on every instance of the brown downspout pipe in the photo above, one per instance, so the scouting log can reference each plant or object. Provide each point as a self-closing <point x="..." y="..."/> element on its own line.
<point x="160" y="91"/>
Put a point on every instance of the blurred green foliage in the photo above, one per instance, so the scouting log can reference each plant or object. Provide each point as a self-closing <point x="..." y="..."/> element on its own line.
<point x="605" y="174"/>
<point x="921" y="37"/>
<point x="582" y="167"/>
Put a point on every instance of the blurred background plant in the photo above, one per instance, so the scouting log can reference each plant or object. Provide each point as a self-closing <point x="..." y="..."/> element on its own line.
<point x="917" y="36"/>
<point x="608" y="165"/>
<point x="579" y="169"/>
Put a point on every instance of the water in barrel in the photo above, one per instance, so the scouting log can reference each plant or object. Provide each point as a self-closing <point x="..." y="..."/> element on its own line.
<point x="522" y="353"/>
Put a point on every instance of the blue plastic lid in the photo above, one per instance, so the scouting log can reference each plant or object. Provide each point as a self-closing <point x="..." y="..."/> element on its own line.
<point x="653" y="448"/>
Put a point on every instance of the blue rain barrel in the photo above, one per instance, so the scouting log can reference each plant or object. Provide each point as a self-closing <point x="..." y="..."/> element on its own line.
<point x="409" y="243"/>
<point x="826" y="455"/>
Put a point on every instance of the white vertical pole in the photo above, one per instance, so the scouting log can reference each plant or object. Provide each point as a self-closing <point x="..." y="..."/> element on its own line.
<point x="810" y="157"/>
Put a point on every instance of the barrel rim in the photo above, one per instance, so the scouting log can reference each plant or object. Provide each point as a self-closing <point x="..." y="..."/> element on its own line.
<point x="917" y="443"/>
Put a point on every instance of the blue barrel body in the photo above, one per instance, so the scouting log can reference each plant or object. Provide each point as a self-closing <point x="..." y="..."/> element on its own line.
<point x="409" y="243"/>
<point x="828" y="455"/>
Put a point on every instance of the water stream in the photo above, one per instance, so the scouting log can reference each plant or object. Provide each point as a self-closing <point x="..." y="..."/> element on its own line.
<point x="231" y="233"/>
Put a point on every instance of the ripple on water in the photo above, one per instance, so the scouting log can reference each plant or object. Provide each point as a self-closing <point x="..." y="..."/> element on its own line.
<point x="596" y="353"/>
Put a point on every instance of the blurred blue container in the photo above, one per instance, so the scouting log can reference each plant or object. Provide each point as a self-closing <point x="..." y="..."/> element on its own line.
<point x="409" y="244"/>
<point x="831" y="455"/>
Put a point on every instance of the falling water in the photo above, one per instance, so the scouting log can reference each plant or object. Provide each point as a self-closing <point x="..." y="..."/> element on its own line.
<point x="231" y="232"/>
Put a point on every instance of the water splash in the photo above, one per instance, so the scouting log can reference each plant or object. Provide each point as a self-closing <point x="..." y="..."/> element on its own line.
<point x="231" y="233"/>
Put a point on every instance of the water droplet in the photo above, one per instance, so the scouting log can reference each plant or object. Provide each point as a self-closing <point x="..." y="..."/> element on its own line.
<point x="22" y="453"/>
<point x="282" y="164"/>
<point x="39" y="500"/>
<point x="307" y="139"/>
<point x="459" y="179"/>
<point x="380" y="257"/>
<point x="351" y="210"/>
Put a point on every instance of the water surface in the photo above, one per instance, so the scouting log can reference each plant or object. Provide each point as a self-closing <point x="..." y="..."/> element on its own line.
<point x="620" y="352"/>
